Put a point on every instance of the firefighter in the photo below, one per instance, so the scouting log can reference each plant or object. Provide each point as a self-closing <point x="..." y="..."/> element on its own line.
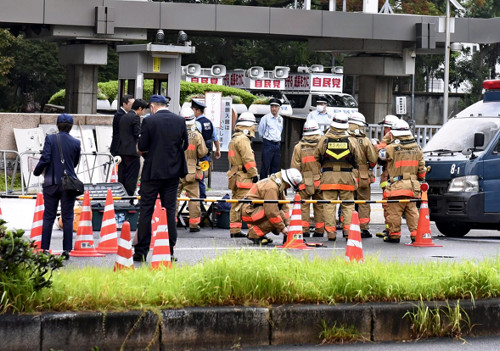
<point x="321" y="115"/>
<point x="387" y="122"/>
<point x="269" y="217"/>
<point x="190" y="183"/>
<point x="303" y="159"/>
<point x="364" y="173"/>
<point x="338" y="154"/>
<point x="243" y="172"/>
<point x="406" y="169"/>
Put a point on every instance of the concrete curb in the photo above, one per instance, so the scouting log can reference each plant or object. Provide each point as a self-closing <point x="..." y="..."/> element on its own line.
<point x="202" y="328"/>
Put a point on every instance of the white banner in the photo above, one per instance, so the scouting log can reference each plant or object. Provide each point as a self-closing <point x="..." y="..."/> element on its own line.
<point x="213" y="111"/>
<point x="205" y="80"/>
<point x="225" y="130"/>
<point x="318" y="82"/>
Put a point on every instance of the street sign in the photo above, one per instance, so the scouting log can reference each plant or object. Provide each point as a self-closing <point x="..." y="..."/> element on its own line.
<point x="401" y="105"/>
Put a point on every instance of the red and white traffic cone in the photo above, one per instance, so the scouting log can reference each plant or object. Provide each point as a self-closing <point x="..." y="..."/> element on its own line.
<point x="155" y="221"/>
<point x="124" y="257"/>
<point x="108" y="242"/>
<point x="84" y="245"/>
<point x="36" y="227"/>
<point x="295" y="238"/>
<point x="354" y="248"/>
<point x="161" y="251"/>
<point x="114" y="174"/>
<point x="424" y="237"/>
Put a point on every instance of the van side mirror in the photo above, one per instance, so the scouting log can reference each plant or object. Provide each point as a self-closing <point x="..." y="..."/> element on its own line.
<point x="478" y="139"/>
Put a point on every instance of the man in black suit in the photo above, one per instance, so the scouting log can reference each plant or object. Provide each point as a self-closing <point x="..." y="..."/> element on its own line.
<point x="130" y="128"/>
<point x="125" y="105"/>
<point x="162" y="143"/>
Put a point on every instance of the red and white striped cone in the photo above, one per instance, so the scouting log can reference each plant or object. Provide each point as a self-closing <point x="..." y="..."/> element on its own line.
<point x="155" y="221"/>
<point x="161" y="251"/>
<point x="124" y="256"/>
<point x="36" y="227"/>
<point x="114" y="174"/>
<point x="354" y="248"/>
<point x="295" y="238"/>
<point x="424" y="237"/>
<point x="1" y="216"/>
<point x="108" y="242"/>
<point x="84" y="245"/>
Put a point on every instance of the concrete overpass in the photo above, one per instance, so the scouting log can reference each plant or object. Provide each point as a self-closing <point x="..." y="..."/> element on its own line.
<point x="382" y="45"/>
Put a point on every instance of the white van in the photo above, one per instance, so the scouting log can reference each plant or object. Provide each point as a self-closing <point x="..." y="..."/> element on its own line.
<point x="304" y="102"/>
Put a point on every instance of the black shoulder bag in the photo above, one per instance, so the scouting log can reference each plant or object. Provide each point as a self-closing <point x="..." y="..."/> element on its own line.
<point x="68" y="183"/>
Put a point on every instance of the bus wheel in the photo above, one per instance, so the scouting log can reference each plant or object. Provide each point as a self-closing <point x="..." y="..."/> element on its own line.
<point x="453" y="229"/>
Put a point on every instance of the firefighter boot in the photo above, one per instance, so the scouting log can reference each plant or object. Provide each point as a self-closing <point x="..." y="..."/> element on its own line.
<point x="365" y="234"/>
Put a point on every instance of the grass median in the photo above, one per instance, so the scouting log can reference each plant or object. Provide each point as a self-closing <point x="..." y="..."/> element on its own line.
<point x="263" y="278"/>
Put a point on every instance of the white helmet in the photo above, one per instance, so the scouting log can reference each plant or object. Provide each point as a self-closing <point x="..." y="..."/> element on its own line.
<point x="389" y="120"/>
<point x="340" y="120"/>
<point x="357" y="118"/>
<point x="246" y="119"/>
<point x="292" y="176"/>
<point x="187" y="113"/>
<point x="311" y="127"/>
<point x="400" y="128"/>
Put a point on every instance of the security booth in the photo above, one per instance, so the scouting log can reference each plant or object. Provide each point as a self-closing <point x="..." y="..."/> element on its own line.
<point x="159" y="62"/>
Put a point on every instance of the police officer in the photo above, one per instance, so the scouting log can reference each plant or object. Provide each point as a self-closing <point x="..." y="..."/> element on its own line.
<point x="243" y="172"/>
<point x="209" y="134"/>
<point x="406" y="169"/>
<point x="270" y="129"/>
<point x="190" y="183"/>
<point x="269" y="217"/>
<point x="387" y="123"/>
<point x="320" y="115"/>
<point x="364" y="173"/>
<point x="303" y="159"/>
<point x="338" y="154"/>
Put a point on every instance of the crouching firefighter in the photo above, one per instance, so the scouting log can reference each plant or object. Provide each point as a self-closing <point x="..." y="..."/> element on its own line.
<point x="243" y="172"/>
<point x="406" y="169"/>
<point x="303" y="159"/>
<point x="339" y="154"/>
<point x="269" y="217"/>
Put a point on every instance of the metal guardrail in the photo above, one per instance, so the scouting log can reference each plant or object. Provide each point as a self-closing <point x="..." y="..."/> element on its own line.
<point x="422" y="133"/>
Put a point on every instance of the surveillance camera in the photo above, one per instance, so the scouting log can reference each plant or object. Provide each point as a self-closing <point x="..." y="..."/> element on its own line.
<point x="160" y="36"/>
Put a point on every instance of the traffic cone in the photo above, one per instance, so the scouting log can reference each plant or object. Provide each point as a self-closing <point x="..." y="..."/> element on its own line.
<point x="108" y="242"/>
<point x="84" y="245"/>
<point x="295" y="239"/>
<point x="354" y="248"/>
<point x="161" y="251"/>
<point x="124" y="257"/>
<point x="155" y="221"/>
<point x="36" y="227"/>
<point x="114" y="174"/>
<point x="1" y="216"/>
<point x="424" y="237"/>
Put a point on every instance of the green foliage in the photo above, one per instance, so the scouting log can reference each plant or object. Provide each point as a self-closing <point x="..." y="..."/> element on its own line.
<point x="110" y="89"/>
<point x="6" y="62"/>
<point x="23" y="271"/>
<point x="10" y="186"/>
<point x="339" y="334"/>
<point x="58" y="98"/>
<point x="439" y="321"/>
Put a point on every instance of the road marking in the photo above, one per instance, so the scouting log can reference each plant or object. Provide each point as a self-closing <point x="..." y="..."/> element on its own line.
<point x="237" y="248"/>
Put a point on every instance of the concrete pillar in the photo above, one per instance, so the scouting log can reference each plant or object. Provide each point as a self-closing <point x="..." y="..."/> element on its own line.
<point x="375" y="97"/>
<point x="82" y="62"/>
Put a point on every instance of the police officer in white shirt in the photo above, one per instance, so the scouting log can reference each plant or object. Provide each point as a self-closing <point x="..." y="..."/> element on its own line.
<point x="321" y="115"/>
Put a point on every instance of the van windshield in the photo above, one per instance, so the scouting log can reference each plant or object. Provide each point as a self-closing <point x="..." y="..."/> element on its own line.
<point x="341" y="101"/>
<point x="458" y="134"/>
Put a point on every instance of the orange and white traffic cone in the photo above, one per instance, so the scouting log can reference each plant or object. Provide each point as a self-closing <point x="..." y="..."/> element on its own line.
<point x="424" y="237"/>
<point x="84" y="245"/>
<point x="114" y="174"/>
<point x="36" y="227"/>
<point x="1" y="216"/>
<point x="108" y="242"/>
<point x="161" y="251"/>
<point x="295" y="238"/>
<point x="354" y="248"/>
<point x="155" y="221"/>
<point x="124" y="257"/>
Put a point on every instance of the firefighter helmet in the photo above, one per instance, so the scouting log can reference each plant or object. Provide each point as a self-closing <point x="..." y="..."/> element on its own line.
<point x="340" y="120"/>
<point x="292" y="176"/>
<point x="389" y="120"/>
<point x="246" y="119"/>
<point x="357" y="118"/>
<point x="188" y="115"/>
<point x="400" y="128"/>
<point x="311" y="127"/>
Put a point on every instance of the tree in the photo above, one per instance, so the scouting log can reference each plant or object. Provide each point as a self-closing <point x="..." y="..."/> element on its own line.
<point x="6" y="62"/>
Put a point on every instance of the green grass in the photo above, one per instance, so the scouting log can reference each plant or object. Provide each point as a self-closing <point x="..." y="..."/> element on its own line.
<point x="339" y="334"/>
<point x="266" y="277"/>
<point x="17" y="181"/>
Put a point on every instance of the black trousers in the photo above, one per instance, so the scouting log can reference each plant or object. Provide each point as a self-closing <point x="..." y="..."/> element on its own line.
<point x="167" y="188"/>
<point x="128" y="173"/>
<point x="51" y="196"/>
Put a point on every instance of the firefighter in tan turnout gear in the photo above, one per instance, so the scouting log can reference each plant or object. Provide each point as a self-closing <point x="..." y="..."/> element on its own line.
<point x="338" y="154"/>
<point x="243" y="172"/>
<point x="190" y="183"/>
<point x="269" y="217"/>
<point x="303" y="159"/>
<point x="364" y="174"/>
<point x="406" y="169"/>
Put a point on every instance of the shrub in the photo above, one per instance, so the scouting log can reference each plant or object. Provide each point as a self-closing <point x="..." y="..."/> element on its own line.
<point x="23" y="271"/>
